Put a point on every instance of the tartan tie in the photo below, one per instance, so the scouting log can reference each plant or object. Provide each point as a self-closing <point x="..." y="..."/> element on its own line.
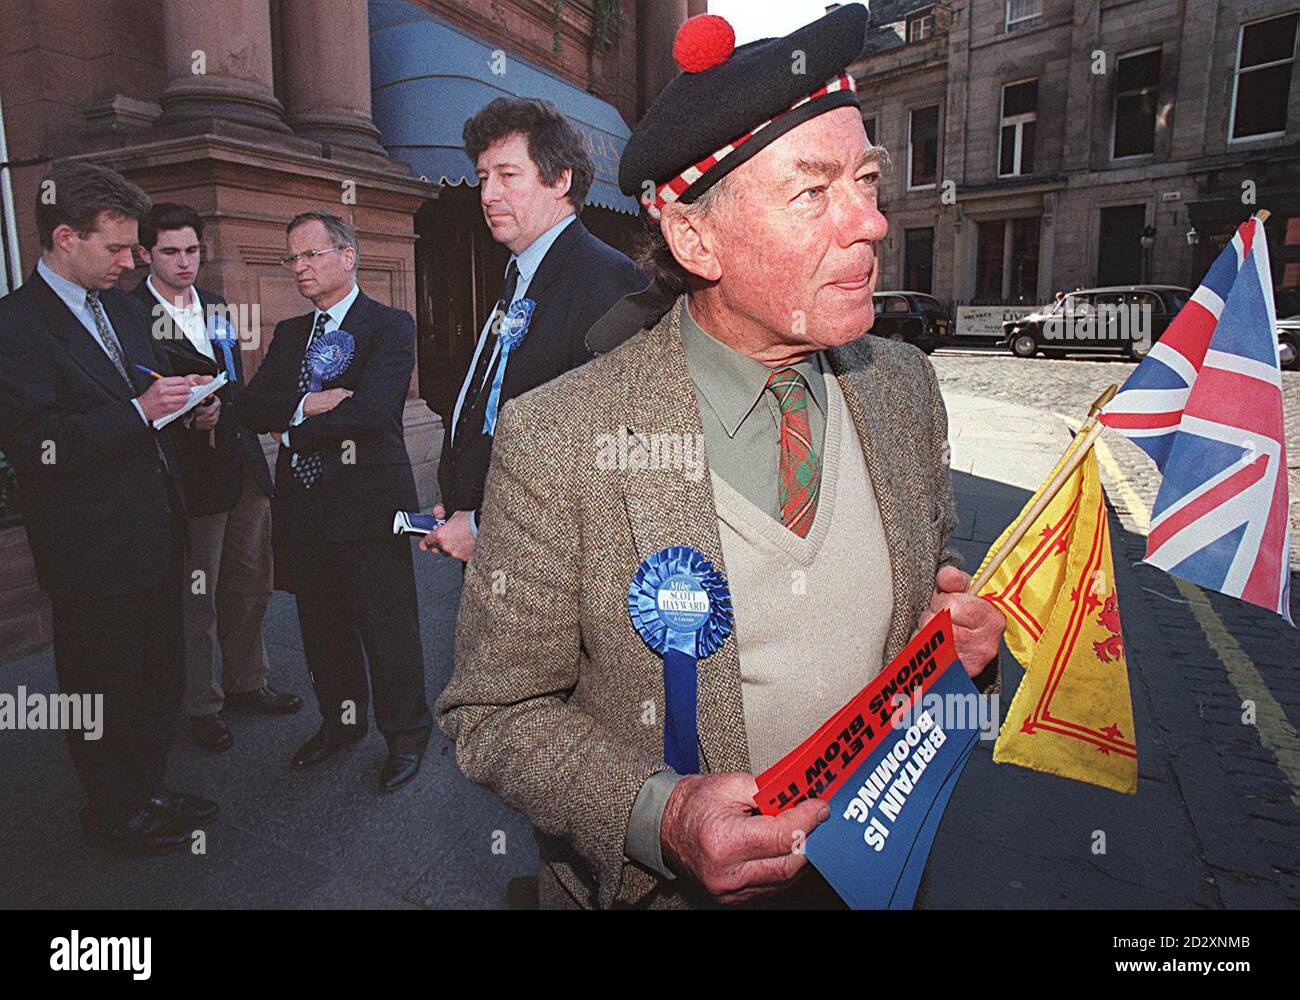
<point x="307" y="468"/>
<point x="800" y="466"/>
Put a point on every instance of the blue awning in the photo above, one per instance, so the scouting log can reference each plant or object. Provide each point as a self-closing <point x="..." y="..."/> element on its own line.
<point x="427" y="78"/>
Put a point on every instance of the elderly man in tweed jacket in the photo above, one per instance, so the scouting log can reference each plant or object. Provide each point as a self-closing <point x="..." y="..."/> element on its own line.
<point x="756" y="425"/>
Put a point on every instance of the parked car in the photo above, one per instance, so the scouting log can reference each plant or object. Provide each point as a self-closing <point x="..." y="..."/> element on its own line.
<point x="915" y="317"/>
<point x="1123" y="320"/>
<point x="1288" y="343"/>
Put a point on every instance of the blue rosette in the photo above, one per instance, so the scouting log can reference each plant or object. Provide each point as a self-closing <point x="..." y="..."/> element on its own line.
<point x="221" y="333"/>
<point x="329" y="357"/>
<point x="514" y="324"/>
<point x="680" y="606"/>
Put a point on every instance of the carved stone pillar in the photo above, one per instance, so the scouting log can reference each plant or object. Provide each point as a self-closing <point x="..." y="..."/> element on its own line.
<point x="219" y="63"/>
<point x="327" y="73"/>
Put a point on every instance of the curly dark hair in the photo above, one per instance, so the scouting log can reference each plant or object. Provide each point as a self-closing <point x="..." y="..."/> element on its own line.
<point x="74" y="193"/>
<point x="553" y="143"/>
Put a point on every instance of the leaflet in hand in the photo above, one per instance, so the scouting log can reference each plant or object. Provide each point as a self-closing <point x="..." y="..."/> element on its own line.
<point x="886" y="765"/>
<point x="198" y="393"/>
<point x="414" y="523"/>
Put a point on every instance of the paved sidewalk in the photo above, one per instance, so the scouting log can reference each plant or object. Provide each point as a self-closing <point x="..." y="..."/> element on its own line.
<point x="327" y="838"/>
<point x="323" y="837"/>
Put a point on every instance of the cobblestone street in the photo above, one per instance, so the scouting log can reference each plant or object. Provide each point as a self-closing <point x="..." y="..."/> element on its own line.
<point x="1067" y="387"/>
<point x="1214" y="654"/>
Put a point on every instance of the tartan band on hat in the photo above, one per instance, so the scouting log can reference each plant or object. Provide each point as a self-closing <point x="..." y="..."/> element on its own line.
<point x="692" y="182"/>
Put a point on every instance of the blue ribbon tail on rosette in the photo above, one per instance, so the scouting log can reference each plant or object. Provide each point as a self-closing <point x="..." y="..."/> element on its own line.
<point x="494" y="397"/>
<point x="680" y="606"/>
<point x="230" y="360"/>
<point x="514" y="324"/>
<point x="681" y="739"/>
<point x="224" y="337"/>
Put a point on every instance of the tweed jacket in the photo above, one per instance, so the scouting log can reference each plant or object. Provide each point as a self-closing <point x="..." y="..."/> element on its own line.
<point x="550" y="700"/>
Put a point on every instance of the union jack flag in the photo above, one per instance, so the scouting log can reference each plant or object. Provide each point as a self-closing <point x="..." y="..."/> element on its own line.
<point x="1206" y="405"/>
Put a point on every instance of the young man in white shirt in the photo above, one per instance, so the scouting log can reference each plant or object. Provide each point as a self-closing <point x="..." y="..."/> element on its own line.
<point x="228" y="561"/>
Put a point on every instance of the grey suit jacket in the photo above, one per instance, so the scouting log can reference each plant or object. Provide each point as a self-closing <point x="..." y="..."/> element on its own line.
<point x="549" y="702"/>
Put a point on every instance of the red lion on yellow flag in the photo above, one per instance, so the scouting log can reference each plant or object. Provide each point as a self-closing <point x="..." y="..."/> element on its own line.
<point x="1113" y="647"/>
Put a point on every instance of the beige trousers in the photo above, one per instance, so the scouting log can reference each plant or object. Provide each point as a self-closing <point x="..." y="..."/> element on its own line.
<point x="226" y="589"/>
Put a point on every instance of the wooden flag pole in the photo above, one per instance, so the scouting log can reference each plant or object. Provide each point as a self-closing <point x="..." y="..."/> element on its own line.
<point x="1089" y="432"/>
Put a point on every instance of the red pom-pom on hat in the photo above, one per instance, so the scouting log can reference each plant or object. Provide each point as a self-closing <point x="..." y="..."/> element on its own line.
<point x="702" y="42"/>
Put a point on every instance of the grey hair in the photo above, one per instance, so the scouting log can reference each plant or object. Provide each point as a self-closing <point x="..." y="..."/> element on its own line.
<point x="341" y="232"/>
<point x="655" y="257"/>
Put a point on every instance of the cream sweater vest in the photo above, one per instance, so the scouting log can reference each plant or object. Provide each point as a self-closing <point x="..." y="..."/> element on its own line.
<point x="812" y="613"/>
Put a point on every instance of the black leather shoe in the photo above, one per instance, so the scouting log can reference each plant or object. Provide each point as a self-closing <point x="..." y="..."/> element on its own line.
<point x="147" y="832"/>
<point x="399" y="769"/>
<point x="211" y="732"/>
<point x="321" y="747"/>
<point x="183" y="806"/>
<point x="266" y="700"/>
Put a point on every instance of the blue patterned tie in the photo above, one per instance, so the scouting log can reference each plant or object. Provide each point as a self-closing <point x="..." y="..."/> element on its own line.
<point x="307" y="468"/>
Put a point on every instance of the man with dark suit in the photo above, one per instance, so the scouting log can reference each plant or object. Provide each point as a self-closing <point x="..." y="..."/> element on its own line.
<point x="227" y="570"/>
<point x="332" y="388"/>
<point x="534" y="175"/>
<point x="101" y="498"/>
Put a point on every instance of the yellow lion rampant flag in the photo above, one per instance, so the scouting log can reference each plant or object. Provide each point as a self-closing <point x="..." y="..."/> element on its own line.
<point x="1072" y="715"/>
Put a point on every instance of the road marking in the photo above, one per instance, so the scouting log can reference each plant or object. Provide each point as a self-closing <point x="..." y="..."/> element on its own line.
<point x="1275" y="731"/>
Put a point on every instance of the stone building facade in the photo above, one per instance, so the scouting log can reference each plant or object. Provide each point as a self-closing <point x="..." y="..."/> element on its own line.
<point x="1052" y="144"/>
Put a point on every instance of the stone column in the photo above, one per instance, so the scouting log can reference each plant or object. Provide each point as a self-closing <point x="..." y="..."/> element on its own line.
<point x="660" y="23"/>
<point x="219" y="63"/>
<point x="327" y="73"/>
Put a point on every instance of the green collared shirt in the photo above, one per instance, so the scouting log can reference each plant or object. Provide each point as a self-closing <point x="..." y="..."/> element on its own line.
<point x="742" y="421"/>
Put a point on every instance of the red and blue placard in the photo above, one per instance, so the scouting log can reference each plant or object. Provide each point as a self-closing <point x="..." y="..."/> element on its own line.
<point x="887" y="763"/>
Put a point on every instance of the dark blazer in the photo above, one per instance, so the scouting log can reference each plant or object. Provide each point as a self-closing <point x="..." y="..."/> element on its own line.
<point x="578" y="280"/>
<point x="98" y="505"/>
<point x="366" y="475"/>
<point x="213" y="476"/>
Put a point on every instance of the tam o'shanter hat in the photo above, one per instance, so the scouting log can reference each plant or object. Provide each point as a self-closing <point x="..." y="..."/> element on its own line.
<point x="728" y="103"/>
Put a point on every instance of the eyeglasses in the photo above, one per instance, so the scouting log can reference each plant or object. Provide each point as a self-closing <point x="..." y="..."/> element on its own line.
<point x="309" y="255"/>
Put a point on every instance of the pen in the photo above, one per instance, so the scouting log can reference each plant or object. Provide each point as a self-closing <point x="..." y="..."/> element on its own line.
<point x="212" y="435"/>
